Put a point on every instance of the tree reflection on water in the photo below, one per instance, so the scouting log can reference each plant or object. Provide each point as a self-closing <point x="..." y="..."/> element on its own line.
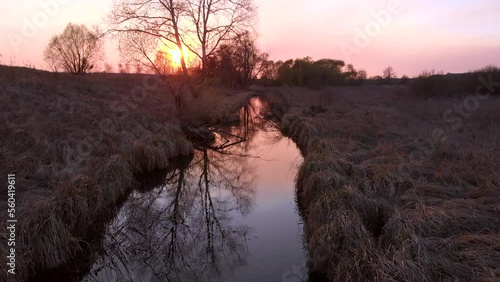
<point x="186" y="229"/>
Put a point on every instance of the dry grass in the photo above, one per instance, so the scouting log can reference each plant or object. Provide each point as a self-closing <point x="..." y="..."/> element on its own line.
<point x="75" y="144"/>
<point x="373" y="214"/>
<point x="429" y="84"/>
<point x="215" y="106"/>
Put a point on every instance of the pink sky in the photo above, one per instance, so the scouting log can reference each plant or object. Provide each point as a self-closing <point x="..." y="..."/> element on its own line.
<point x="446" y="35"/>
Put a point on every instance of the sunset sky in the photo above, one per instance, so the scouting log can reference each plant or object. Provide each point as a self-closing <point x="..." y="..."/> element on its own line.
<point x="446" y="35"/>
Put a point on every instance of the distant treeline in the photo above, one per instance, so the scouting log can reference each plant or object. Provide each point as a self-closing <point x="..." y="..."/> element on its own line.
<point x="431" y="84"/>
<point x="330" y="72"/>
<point x="307" y="72"/>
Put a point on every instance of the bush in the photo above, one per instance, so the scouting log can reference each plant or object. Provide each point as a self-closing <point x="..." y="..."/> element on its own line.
<point x="434" y="85"/>
<point x="429" y="84"/>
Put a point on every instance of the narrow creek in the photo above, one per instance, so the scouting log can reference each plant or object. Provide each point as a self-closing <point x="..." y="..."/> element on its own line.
<point x="228" y="215"/>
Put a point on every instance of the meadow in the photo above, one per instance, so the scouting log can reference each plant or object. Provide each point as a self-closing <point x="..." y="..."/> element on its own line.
<point x="76" y="145"/>
<point x="397" y="186"/>
<point x="400" y="178"/>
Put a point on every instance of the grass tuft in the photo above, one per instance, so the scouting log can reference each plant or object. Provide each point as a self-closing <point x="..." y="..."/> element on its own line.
<point x="370" y="213"/>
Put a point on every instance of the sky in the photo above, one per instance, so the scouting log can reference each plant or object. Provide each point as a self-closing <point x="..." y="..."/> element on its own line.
<point x="410" y="36"/>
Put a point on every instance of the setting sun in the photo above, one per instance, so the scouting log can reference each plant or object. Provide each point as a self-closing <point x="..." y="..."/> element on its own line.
<point x="176" y="55"/>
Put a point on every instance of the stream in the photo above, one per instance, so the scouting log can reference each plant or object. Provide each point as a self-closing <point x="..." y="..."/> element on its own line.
<point x="227" y="215"/>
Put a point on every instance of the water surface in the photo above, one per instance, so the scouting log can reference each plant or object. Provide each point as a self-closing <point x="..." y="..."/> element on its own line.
<point x="228" y="215"/>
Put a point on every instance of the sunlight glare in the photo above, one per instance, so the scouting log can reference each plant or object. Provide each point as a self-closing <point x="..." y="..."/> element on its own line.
<point x="175" y="56"/>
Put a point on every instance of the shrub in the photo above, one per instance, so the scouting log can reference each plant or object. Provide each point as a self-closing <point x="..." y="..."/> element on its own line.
<point x="429" y="84"/>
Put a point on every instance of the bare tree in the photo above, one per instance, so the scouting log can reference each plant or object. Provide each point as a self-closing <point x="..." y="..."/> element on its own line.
<point x="140" y="49"/>
<point x="239" y="61"/>
<point x="147" y="29"/>
<point x="389" y="73"/>
<point x="147" y="51"/>
<point x="200" y="25"/>
<point x="149" y="26"/>
<point x="249" y="60"/>
<point x="350" y="73"/>
<point x="211" y="22"/>
<point x="270" y="70"/>
<point x="76" y="50"/>
<point x="361" y="76"/>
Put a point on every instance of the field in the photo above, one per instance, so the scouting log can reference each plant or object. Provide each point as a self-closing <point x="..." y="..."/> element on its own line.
<point x="76" y="144"/>
<point x="397" y="187"/>
<point x="394" y="187"/>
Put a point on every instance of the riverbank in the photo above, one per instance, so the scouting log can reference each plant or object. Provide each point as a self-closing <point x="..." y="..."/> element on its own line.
<point x="215" y="218"/>
<point x="75" y="144"/>
<point x="391" y="191"/>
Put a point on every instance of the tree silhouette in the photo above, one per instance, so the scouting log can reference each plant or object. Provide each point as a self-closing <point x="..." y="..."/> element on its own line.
<point x="238" y="62"/>
<point x="389" y="73"/>
<point x="211" y="22"/>
<point x="76" y="50"/>
<point x="307" y="72"/>
<point x="202" y="26"/>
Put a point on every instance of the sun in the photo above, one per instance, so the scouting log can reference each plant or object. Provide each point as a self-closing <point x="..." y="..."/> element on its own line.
<point x="176" y="56"/>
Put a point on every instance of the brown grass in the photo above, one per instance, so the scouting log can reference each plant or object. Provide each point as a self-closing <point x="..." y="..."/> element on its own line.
<point x="215" y="106"/>
<point x="75" y="144"/>
<point x="429" y="84"/>
<point x="373" y="215"/>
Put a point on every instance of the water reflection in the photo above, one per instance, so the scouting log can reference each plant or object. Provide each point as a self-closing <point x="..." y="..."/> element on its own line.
<point x="192" y="227"/>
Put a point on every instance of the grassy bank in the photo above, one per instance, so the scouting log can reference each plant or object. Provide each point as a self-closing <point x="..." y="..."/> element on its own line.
<point x="393" y="188"/>
<point x="75" y="144"/>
